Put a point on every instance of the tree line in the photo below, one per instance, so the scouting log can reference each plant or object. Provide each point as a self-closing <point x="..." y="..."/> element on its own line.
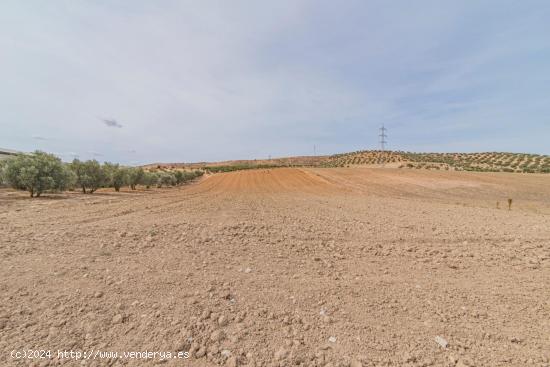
<point x="41" y="172"/>
<point x="238" y="167"/>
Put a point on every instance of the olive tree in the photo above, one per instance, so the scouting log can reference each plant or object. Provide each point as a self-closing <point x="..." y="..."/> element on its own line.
<point x="166" y="179"/>
<point x="136" y="177"/>
<point x="180" y="177"/>
<point x="184" y="176"/>
<point x="36" y="173"/>
<point x="150" y="179"/>
<point x="89" y="175"/>
<point x="116" y="176"/>
<point x="2" y="173"/>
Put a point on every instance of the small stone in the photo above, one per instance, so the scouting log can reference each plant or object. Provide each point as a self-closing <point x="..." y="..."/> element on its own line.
<point x="222" y="320"/>
<point x="408" y="358"/>
<point x="332" y="339"/>
<point x="441" y="341"/>
<point x="98" y="294"/>
<point x="247" y="270"/>
<point x="281" y="354"/>
<point x="465" y="362"/>
<point x="217" y="335"/>
<point x="201" y="352"/>
<point x="231" y="362"/>
<point x="117" y="319"/>
<point x="226" y="353"/>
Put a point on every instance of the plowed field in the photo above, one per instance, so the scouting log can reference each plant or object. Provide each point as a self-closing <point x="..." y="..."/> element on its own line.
<point x="283" y="267"/>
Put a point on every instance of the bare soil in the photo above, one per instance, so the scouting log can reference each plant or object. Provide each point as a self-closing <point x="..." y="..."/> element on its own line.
<point x="284" y="267"/>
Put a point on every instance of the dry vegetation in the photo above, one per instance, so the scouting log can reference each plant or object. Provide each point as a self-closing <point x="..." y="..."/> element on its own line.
<point x="233" y="165"/>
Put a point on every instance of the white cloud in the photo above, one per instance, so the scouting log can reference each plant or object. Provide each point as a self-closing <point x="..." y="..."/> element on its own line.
<point x="204" y="80"/>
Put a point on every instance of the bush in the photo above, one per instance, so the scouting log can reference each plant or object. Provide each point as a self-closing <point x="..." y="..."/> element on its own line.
<point x="116" y="176"/>
<point x="36" y="173"/>
<point x="150" y="179"/>
<point x="89" y="175"/>
<point x="166" y="179"/>
<point x="180" y="177"/>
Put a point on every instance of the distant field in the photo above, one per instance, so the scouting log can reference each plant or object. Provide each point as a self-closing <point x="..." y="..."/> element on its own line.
<point x="480" y="162"/>
<point x="299" y="161"/>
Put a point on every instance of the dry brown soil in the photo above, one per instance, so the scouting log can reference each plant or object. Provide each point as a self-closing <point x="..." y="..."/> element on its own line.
<point x="284" y="267"/>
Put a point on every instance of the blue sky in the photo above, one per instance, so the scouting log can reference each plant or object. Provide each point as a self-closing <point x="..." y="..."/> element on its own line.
<point x="173" y="81"/>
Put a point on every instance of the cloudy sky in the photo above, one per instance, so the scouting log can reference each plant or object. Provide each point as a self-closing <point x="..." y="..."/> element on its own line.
<point x="148" y="81"/>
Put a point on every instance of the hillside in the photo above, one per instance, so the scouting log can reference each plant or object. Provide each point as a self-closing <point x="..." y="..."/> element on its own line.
<point x="238" y="165"/>
<point x="483" y="162"/>
<point x="7" y="153"/>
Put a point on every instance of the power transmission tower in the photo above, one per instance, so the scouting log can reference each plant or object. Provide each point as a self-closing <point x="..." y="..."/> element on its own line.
<point x="383" y="143"/>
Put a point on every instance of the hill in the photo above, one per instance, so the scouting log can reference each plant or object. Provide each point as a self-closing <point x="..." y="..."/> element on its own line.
<point x="7" y="153"/>
<point x="482" y="162"/>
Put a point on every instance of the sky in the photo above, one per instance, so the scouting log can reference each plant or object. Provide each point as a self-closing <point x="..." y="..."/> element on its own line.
<point x="184" y="81"/>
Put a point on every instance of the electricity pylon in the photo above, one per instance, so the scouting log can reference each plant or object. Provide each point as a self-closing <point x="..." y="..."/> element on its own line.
<point x="383" y="143"/>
